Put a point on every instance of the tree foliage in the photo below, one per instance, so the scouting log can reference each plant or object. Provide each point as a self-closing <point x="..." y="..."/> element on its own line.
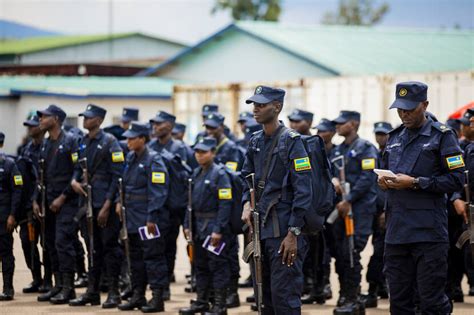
<point x="356" y="12"/>
<point x="256" y="10"/>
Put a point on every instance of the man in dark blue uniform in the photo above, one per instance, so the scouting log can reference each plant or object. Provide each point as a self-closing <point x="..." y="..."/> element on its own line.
<point x="11" y="184"/>
<point x="211" y="209"/>
<point x="206" y="111"/>
<point x="104" y="166"/>
<point x="282" y="197"/>
<point x="301" y="121"/>
<point x="360" y="158"/>
<point x="146" y="186"/>
<point x="129" y="114"/>
<point x="326" y="129"/>
<point x="60" y="154"/>
<point x="245" y="118"/>
<point x="178" y="131"/>
<point x="374" y="276"/>
<point x="428" y="163"/>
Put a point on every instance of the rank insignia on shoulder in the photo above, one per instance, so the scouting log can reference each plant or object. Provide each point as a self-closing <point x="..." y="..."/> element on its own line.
<point x="368" y="164"/>
<point x="302" y="164"/>
<point x="225" y="193"/>
<point x="117" y="157"/>
<point x="231" y="166"/>
<point x="18" y="180"/>
<point x="74" y="157"/>
<point x="293" y="134"/>
<point x="158" y="177"/>
<point x="455" y="161"/>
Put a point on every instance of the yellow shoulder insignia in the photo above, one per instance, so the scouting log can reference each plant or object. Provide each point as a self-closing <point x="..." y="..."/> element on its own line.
<point x="158" y="177"/>
<point x="368" y="164"/>
<point x="117" y="157"/>
<point x="225" y="193"/>
<point x="231" y="166"/>
<point x="18" y="180"/>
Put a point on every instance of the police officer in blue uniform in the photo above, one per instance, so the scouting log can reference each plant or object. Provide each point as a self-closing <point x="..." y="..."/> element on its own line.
<point x="60" y="154"/>
<point x="374" y="276"/>
<point x="11" y="184"/>
<point x="129" y="114"/>
<point x="211" y="208"/>
<point x="360" y="158"/>
<point x="301" y="121"/>
<point x="282" y="199"/>
<point x="104" y="158"/>
<point x="27" y="164"/>
<point x="179" y="130"/>
<point x="326" y="129"/>
<point x="146" y="185"/>
<point x="245" y="118"/>
<point x="207" y="110"/>
<point x="428" y="163"/>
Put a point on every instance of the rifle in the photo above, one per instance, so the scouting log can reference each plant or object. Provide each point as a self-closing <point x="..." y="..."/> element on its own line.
<point x="123" y="230"/>
<point x="89" y="211"/>
<point x="31" y="238"/>
<point x="42" y="216"/>
<point x="348" y="219"/>
<point x="190" y="247"/>
<point x="255" y="243"/>
<point x="468" y="235"/>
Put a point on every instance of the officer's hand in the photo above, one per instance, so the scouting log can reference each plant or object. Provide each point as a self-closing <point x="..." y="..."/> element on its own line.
<point x="151" y="227"/>
<point x="118" y="210"/>
<point x="401" y="181"/>
<point x="337" y="185"/>
<point x="289" y="248"/>
<point x="343" y="208"/>
<point x="77" y="187"/>
<point x="36" y="210"/>
<point x="103" y="215"/>
<point x="215" y="239"/>
<point x="57" y="203"/>
<point x="187" y="235"/>
<point x="11" y="223"/>
<point x="460" y="207"/>
<point x="383" y="182"/>
<point x="247" y="216"/>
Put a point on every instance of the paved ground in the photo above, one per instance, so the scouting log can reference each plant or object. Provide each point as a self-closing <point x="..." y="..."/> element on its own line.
<point x="26" y="303"/>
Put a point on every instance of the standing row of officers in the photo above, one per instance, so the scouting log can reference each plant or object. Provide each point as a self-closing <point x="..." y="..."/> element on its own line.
<point x="145" y="183"/>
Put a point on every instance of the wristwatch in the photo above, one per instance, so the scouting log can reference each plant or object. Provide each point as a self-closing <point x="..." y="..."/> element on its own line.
<point x="416" y="183"/>
<point x="295" y="230"/>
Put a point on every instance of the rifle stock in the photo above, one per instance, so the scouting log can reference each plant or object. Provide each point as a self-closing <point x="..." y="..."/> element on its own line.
<point x="123" y="230"/>
<point x="31" y="238"/>
<point x="42" y="216"/>
<point x="89" y="211"/>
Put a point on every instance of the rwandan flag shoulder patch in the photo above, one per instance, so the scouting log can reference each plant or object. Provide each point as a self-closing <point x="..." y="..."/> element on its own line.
<point x="455" y="162"/>
<point x="117" y="157"/>
<point x="368" y="164"/>
<point x="158" y="177"/>
<point x="302" y="164"/>
<point x="225" y="193"/>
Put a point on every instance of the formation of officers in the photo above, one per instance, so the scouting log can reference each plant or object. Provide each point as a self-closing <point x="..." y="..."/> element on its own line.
<point x="145" y="183"/>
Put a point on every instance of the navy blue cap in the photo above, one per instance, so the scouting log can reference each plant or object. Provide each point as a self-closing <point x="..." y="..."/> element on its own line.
<point x="214" y="120"/>
<point x="346" y="115"/>
<point x="382" y="127"/>
<point x="53" y="110"/>
<point x="454" y="124"/>
<point x="93" y="111"/>
<point x="299" y="115"/>
<point x="162" y="117"/>
<point x="206" y="144"/>
<point x="465" y="119"/>
<point x="178" y="127"/>
<point x="244" y="116"/>
<point x="209" y="108"/>
<point x="325" y="125"/>
<point x="129" y="114"/>
<point x="265" y="95"/>
<point x="136" y="130"/>
<point x="2" y="137"/>
<point x="409" y="94"/>
<point x="251" y="127"/>
<point x="32" y="121"/>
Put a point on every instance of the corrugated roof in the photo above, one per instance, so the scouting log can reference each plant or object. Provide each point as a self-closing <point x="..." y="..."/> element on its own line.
<point x="51" y="42"/>
<point x="358" y="50"/>
<point x="80" y="87"/>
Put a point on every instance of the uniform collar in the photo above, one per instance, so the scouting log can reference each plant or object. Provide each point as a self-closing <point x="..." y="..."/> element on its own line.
<point x="98" y="136"/>
<point x="424" y="131"/>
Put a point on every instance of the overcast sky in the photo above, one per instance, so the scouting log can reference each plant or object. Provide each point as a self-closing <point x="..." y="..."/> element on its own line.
<point x="191" y="20"/>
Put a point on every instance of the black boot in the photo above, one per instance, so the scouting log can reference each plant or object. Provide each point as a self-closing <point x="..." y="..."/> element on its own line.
<point x="8" y="291"/>
<point x="166" y="294"/>
<point x="58" y="280"/>
<point x="136" y="301"/>
<point x="47" y="282"/>
<point x="33" y="287"/>
<point x="471" y="290"/>
<point x="247" y="283"/>
<point x="233" y="299"/>
<point x="351" y="304"/>
<point x="67" y="291"/>
<point x="113" y="297"/>
<point x="192" y="285"/>
<point x="201" y="304"/>
<point x="457" y="295"/>
<point x="156" y="304"/>
<point x="219" y="305"/>
<point x="250" y="299"/>
<point x="81" y="281"/>
<point x="92" y="295"/>
<point x="370" y="300"/>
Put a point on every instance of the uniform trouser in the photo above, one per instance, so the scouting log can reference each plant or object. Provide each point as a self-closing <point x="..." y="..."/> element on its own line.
<point x="66" y="233"/>
<point x="27" y="246"/>
<point x="456" y="266"/>
<point x="50" y="240"/>
<point x="313" y="266"/>
<point x="282" y="285"/>
<point x="375" y="267"/>
<point x="148" y="262"/>
<point x="6" y="253"/>
<point x="176" y="219"/>
<point x="330" y="251"/>
<point x="422" y="265"/>
<point x="468" y="263"/>
<point x="107" y="254"/>
<point x="234" y="257"/>
<point x="211" y="270"/>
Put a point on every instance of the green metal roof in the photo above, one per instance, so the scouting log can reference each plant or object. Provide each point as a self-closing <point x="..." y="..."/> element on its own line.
<point x="34" y="44"/>
<point x="80" y="87"/>
<point x="356" y="50"/>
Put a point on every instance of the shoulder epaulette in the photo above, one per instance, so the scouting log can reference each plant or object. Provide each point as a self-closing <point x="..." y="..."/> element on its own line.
<point x="440" y="126"/>
<point x="293" y="134"/>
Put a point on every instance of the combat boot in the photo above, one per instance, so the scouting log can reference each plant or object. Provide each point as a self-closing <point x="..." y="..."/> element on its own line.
<point x="33" y="287"/>
<point x="370" y="299"/>
<point x="457" y="295"/>
<point x="156" y="304"/>
<point x="201" y="304"/>
<point x="67" y="292"/>
<point x="166" y="294"/>
<point x="113" y="297"/>
<point x="471" y="290"/>
<point x="136" y="301"/>
<point x="219" y="305"/>
<point x="91" y="296"/>
<point x="316" y="295"/>
<point x="58" y="280"/>
<point x="47" y="283"/>
<point x="233" y="299"/>
<point x="351" y="306"/>
<point x="126" y="293"/>
<point x="8" y="291"/>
